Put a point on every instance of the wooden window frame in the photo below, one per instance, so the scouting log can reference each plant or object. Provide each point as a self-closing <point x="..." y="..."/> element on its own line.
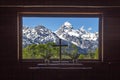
<point x="80" y="14"/>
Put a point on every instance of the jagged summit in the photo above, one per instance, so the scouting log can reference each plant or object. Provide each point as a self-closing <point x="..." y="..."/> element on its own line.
<point x="67" y="24"/>
<point x="38" y="35"/>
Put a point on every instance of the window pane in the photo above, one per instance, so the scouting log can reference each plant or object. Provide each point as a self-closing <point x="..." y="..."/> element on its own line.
<point x="60" y="37"/>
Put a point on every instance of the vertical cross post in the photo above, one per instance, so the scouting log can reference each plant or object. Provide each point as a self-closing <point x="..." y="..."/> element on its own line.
<point x="60" y="51"/>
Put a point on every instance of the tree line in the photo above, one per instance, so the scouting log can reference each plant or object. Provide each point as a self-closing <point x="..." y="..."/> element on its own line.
<point x="48" y="51"/>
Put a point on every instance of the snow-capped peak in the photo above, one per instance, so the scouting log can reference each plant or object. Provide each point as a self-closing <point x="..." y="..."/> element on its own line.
<point x="68" y="24"/>
<point x="37" y="35"/>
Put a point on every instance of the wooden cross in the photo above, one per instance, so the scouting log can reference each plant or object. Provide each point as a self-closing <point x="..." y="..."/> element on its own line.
<point x="60" y="46"/>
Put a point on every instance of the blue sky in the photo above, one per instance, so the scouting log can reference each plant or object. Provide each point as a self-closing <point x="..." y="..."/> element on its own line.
<point x="53" y="23"/>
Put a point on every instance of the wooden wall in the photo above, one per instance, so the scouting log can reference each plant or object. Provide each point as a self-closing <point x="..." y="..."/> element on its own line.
<point x="12" y="69"/>
<point x="62" y="2"/>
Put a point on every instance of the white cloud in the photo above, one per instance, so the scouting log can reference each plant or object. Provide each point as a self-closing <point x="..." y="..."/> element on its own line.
<point x="89" y="28"/>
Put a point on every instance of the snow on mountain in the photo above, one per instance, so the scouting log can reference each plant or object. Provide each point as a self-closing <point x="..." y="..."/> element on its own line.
<point x="67" y="24"/>
<point x="85" y="40"/>
<point x="38" y="35"/>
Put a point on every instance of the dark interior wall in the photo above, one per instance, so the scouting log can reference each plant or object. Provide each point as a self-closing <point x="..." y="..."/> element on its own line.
<point x="112" y="38"/>
<point x="62" y="2"/>
<point x="12" y="69"/>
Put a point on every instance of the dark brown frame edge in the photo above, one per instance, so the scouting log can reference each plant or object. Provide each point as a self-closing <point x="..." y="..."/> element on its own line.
<point x="80" y="14"/>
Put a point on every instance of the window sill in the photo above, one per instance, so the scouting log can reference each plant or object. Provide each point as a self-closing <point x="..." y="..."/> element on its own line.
<point x="83" y="68"/>
<point x="61" y="66"/>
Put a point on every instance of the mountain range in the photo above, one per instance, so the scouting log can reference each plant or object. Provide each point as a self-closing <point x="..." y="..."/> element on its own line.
<point x="83" y="39"/>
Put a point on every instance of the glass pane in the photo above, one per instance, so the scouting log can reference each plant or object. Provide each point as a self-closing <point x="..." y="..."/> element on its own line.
<point x="41" y="37"/>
